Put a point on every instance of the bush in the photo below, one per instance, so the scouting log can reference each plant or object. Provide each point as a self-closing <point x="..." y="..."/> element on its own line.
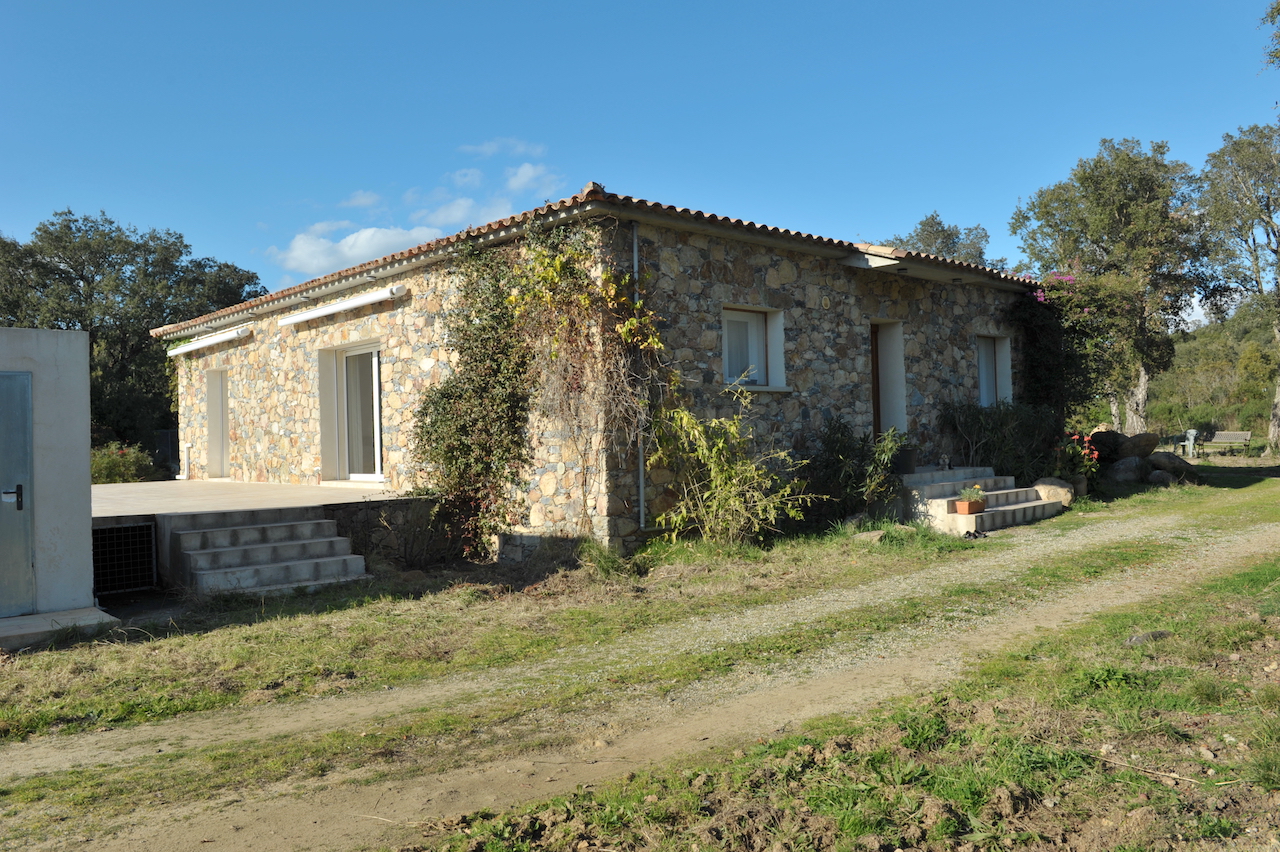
<point x="116" y="462"/>
<point x="1010" y="438"/>
<point x="855" y="472"/>
<point x="728" y="492"/>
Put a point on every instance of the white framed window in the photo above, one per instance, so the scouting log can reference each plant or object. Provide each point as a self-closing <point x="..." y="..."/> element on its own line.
<point x="995" y="371"/>
<point x="752" y="342"/>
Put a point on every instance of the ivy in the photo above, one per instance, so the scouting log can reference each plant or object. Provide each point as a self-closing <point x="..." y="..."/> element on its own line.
<point x="543" y="327"/>
<point x="470" y="431"/>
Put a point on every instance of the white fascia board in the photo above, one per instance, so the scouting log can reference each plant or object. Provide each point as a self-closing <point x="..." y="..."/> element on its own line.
<point x="870" y="261"/>
<point x="211" y="340"/>
<point x="345" y="305"/>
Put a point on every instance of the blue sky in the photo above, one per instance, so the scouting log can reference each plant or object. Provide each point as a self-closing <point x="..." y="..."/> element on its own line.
<point x="297" y="138"/>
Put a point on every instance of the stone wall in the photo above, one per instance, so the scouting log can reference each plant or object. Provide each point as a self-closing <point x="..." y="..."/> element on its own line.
<point x="826" y="309"/>
<point x="273" y="377"/>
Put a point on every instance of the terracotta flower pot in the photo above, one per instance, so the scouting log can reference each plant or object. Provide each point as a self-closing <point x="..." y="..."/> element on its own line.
<point x="970" y="507"/>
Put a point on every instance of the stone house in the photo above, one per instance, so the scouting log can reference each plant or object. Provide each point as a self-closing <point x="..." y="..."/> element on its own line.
<point x="318" y="383"/>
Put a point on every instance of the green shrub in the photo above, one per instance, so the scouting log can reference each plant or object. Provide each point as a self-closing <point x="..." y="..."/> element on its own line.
<point x="855" y="472"/>
<point x="116" y="462"/>
<point x="1010" y="438"/>
<point x="729" y="492"/>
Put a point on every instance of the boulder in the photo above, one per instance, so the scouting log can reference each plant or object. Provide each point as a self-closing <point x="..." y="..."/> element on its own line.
<point x="1161" y="477"/>
<point x="1139" y="446"/>
<point x="1107" y="443"/>
<point x="1052" y="488"/>
<point x="1175" y="464"/>
<point x="1132" y="469"/>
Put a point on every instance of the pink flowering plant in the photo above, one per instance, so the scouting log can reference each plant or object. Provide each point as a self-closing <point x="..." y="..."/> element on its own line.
<point x="1075" y="455"/>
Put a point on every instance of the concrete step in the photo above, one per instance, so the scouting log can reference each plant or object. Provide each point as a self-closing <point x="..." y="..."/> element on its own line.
<point x="267" y="554"/>
<point x="931" y="476"/>
<point x="180" y="522"/>
<point x="255" y="550"/>
<point x="950" y="488"/>
<point x="993" y="499"/>
<point x="1004" y="516"/>
<point x="279" y="576"/>
<point x="938" y="510"/>
<point x="209" y="539"/>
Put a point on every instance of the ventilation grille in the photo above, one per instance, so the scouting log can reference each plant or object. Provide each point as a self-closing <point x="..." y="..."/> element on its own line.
<point x="124" y="558"/>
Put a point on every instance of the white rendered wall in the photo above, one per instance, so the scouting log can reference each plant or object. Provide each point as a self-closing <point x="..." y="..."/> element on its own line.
<point x="60" y="494"/>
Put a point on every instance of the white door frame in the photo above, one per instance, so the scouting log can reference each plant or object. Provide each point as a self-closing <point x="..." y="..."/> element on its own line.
<point x="334" y="430"/>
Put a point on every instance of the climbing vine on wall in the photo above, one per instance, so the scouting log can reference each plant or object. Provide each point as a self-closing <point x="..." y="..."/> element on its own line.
<point x="543" y="326"/>
<point x="469" y="433"/>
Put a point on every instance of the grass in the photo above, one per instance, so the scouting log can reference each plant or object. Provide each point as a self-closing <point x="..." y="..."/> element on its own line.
<point x="1030" y="748"/>
<point x="243" y="652"/>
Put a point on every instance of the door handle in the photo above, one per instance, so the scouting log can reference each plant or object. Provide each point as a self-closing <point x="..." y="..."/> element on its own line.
<point x="14" y="496"/>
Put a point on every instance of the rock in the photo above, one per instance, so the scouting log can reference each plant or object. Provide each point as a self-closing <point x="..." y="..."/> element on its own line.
<point x="1132" y="469"/>
<point x="872" y="537"/>
<point x="1107" y="443"/>
<point x="1149" y="636"/>
<point x="1080" y="484"/>
<point x="1052" y="488"/>
<point x="1162" y="477"/>
<point x="1184" y="470"/>
<point x="1139" y="446"/>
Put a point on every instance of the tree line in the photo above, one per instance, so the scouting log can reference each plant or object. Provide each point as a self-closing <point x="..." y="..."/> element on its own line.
<point x="1123" y="245"/>
<point x="1128" y="239"/>
<point x="92" y="274"/>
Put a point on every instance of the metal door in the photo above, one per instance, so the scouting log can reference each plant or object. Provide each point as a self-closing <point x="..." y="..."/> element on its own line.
<point x="17" y="574"/>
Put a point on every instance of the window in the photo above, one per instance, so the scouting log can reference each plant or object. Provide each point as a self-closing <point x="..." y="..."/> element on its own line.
<point x="744" y="348"/>
<point x="752" y="341"/>
<point x="995" y="374"/>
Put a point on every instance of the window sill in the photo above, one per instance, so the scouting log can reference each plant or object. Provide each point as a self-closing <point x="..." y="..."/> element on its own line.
<point x="761" y="388"/>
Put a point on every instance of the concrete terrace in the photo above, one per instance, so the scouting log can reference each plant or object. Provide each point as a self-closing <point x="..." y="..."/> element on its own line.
<point x="131" y="499"/>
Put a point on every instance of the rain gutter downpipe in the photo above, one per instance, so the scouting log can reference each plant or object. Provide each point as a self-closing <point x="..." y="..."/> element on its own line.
<point x="635" y="275"/>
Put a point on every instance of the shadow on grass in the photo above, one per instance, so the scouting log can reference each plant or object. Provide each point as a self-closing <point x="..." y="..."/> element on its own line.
<point x="1239" y="475"/>
<point x="156" y="614"/>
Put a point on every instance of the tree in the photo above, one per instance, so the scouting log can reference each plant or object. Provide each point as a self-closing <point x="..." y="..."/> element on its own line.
<point x="933" y="236"/>
<point x="1272" y="18"/>
<point x="1241" y="200"/>
<point x="89" y="273"/>
<point x="1121" y="238"/>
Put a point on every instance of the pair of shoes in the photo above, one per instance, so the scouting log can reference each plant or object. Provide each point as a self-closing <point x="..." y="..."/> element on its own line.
<point x="972" y="534"/>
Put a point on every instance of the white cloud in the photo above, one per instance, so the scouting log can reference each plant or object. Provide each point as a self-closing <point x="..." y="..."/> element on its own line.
<point x="530" y="178"/>
<point x="466" y="177"/>
<point x="361" y="198"/>
<point x="322" y="228"/>
<point x="454" y="212"/>
<point x="505" y="145"/>
<point x="463" y="212"/>
<point x="313" y="253"/>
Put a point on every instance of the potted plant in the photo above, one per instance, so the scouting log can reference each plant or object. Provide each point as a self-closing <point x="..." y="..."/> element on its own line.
<point x="971" y="500"/>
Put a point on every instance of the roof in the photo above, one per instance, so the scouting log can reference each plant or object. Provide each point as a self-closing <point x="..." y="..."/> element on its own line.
<point x="591" y="202"/>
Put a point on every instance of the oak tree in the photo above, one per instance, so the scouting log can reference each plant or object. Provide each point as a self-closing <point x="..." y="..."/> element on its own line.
<point x="89" y="273"/>
<point x="1123" y="227"/>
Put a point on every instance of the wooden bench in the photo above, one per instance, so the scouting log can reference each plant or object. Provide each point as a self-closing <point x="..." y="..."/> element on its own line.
<point x="1228" y="442"/>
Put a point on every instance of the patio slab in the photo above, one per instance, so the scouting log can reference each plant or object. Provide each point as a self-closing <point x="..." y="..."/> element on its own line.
<point x="184" y="496"/>
<point x="22" y="631"/>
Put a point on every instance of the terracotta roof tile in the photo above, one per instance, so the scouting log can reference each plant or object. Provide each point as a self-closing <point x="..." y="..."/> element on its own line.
<point x="591" y="193"/>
